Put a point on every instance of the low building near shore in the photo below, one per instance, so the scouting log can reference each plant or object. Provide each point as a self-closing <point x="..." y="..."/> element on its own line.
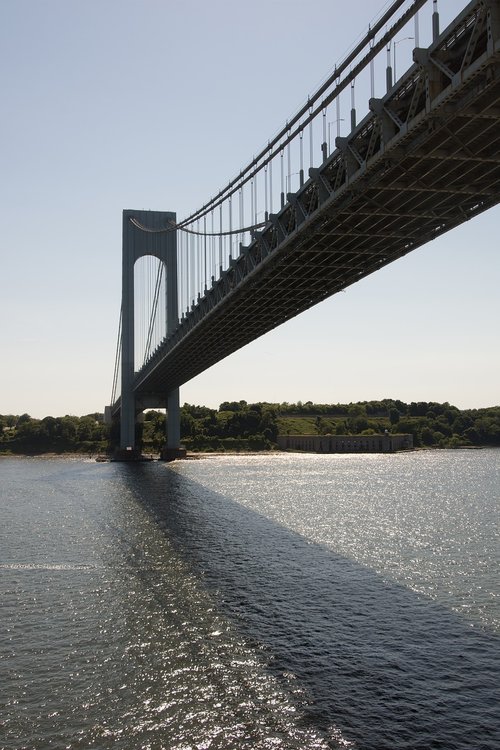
<point x="379" y="443"/>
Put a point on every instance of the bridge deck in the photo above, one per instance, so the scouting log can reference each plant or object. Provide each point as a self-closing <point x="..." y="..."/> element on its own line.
<point x="424" y="160"/>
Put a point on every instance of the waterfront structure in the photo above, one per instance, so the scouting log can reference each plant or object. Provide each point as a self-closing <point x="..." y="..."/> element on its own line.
<point x="378" y="443"/>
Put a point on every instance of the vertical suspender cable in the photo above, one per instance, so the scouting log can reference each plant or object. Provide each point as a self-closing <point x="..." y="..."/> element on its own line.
<point x="289" y="166"/>
<point x="323" y="145"/>
<point x="154" y="313"/>
<point x="301" y="173"/>
<point x="184" y="273"/>
<point x="282" y="179"/>
<point x="198" y="261"/>
<point x="148" y="306"/>
<point x="212" y="249"/>
<point x="190" y="270"/>
<point x="271" y="186"/>
<point x="188" y="241"/>
<point x="242" y="237"/>
<point x="152" y="290"/>
<point x="114" y="386"/>
<point x="353" y="106"/>
<point x="145" y="309"/>
<point x="180" y="273"/>
<point x="220" y="238"/>
<point x="193" y="269"/>
<point x="137" y="312"/>
<point x="186" y="270"/>
<point x="143" y="274"/>
<point x="230" y="225"/>
<point x="205" y="250"/>
<point x="255" y="198"/>
<point x="252" y="203"/>
<point x="337" y="112"/>
<point x="180" y="245"/>
<point x="266" y="212"/>
<point x="155" y="318"/>
<point x="372" y="75"/>
<point x="311" y="145"/>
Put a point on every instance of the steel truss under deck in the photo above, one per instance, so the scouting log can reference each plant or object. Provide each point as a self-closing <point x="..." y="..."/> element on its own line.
<point x="425" y="159"/>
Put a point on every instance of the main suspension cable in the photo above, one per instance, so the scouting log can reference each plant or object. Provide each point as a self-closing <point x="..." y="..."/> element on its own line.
<point x="286" y="134"/>
<point x="172" y="227"/>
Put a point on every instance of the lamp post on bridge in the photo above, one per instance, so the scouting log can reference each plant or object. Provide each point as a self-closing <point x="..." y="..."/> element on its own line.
<point x="396" y="42"/>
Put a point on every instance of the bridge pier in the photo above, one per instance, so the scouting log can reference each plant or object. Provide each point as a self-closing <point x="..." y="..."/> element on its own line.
<point x="172" y="449"/>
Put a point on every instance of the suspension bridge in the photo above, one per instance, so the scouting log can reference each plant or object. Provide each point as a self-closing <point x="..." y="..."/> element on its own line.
<point x="318" y="208"/>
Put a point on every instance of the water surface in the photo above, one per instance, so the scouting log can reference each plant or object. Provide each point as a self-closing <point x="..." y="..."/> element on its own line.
<point x="282" y="601"/>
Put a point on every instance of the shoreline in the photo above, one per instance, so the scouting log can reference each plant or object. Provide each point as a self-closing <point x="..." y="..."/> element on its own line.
<point x="202" y="455"/>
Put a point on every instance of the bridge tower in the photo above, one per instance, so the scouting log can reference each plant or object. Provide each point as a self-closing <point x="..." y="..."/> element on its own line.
<point x="147" y="233"/>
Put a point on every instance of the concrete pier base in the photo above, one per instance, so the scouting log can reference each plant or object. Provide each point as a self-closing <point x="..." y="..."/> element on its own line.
<point x="172" y="454"/>
<point x="128" y="455"/>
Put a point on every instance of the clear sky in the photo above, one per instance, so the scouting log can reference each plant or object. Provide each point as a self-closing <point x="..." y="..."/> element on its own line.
<point x="156" y="104"/>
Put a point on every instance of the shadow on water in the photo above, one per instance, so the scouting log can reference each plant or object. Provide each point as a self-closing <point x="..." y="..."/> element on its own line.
<point x="389" y="668"/>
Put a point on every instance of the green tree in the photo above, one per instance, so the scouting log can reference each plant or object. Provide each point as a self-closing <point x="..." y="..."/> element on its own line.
<point x="394" y="415"/>
<point x="357" y="420"/>
<point x="321" y="426"/>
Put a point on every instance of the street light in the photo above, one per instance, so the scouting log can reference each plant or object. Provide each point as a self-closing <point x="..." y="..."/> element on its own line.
<point x="337" y="123"/>
<point x="404" y="39"/>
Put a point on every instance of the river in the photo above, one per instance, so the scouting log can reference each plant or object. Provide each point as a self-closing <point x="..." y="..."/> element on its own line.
<point x="261" y="601"/>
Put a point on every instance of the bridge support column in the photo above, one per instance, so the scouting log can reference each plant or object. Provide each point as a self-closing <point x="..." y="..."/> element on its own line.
<point x="127" y="409"/>
<point x="173" y="420"/>
<point x="173" y="449"/>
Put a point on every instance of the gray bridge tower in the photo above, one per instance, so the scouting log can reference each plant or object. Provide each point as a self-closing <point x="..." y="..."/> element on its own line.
<point x="147" y="233"/>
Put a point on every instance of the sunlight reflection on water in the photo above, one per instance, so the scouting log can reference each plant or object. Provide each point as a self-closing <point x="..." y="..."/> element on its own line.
<point x="251" y="602"/>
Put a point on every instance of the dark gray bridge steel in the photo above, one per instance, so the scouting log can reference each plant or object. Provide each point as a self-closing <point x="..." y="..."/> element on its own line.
<point x="425" y="159"/>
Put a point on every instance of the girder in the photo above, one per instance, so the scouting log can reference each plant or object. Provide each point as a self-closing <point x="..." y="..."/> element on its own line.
<point x="424" y="160"/>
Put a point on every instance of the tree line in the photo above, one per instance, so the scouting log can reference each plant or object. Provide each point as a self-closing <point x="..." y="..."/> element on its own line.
<point x="242" y="426"/>
<point x="68" y="434"/>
